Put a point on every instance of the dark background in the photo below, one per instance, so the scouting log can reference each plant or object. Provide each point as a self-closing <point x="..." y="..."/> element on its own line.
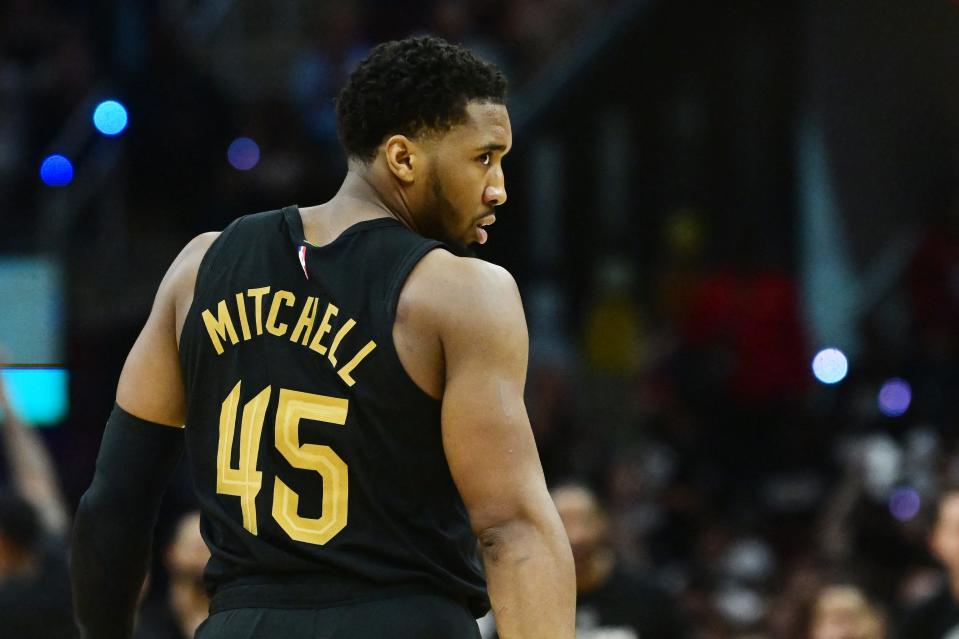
<point x="702" y="195"/>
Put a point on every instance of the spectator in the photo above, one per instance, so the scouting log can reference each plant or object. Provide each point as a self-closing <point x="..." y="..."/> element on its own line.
<point x="937" y="617"/>
<point x="34" y="585"/>
<point x="843" y="612"/>
<point x="610" y="597"/>
<point x="188" y="604"/>
<point x="34" y="588"/>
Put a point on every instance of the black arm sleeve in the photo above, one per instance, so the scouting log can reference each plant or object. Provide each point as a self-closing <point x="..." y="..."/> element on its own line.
<point x="113" y="529"/>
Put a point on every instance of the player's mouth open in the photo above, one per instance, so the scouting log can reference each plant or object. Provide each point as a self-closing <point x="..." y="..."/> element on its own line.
<point x="481" y="232"/>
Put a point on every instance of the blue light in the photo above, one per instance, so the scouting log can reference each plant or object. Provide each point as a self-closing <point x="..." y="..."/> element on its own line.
<point x="56" y="170"/>
<point x="904" y="504"/>
<point x="39" y="396"/>
<point x="830" y="366"/>
<point x="110" y="117"/>
<point x="243" y="154"/>
<point x="895" y="397"/>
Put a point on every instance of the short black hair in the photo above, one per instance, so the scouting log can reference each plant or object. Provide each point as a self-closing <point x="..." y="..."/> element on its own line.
<point x="19" y="523"/>
<point x="408" y="86"/>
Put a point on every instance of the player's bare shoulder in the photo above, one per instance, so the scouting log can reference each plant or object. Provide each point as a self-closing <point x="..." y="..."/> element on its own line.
<point x="180" y="280"/>
<point x="448" y="300"/>
<point x="449" y="289"/>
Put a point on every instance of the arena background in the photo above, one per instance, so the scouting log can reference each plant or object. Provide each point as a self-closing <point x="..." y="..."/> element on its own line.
<point x="703" y="196"/>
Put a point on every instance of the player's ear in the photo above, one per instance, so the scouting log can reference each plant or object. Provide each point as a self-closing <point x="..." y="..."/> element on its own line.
<point x="402" y="158"/>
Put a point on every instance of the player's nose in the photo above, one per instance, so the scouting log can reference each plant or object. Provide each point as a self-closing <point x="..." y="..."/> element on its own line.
<point x="495" y="193"/>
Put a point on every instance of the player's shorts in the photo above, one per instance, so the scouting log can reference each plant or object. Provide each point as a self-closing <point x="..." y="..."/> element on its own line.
<point x="408" y="617"/>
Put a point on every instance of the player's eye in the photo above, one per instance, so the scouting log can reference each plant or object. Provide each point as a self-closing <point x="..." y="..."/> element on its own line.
<point x="486" y="158"/>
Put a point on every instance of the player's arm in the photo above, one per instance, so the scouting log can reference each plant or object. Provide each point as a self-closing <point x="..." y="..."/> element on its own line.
<point x="492" y="456"/>
<point x="141" y="444"/>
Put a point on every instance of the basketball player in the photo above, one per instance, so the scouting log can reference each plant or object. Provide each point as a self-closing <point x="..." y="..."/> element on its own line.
<point x="352" y="394"/>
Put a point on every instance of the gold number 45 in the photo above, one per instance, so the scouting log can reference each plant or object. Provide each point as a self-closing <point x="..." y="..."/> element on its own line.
<point x="245" y="480"/>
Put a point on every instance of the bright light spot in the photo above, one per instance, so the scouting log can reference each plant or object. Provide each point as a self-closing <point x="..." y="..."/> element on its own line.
<point x="904" y="504"/>
<point x="39" y="396"/>
<point x="243" y="154"/>
<point x="56" y="170"/>
<point x="895" y="397"/>
<point x="830" y="366"/>
<point x="110" y="117"/>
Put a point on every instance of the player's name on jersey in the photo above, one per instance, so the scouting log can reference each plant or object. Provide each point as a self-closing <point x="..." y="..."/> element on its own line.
<point x="306" y="331"/>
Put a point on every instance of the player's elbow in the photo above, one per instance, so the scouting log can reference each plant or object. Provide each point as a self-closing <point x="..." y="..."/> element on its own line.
<point x="506" y="536"/>
<point x="85" y="518"/>
<point x="96" y="509"/>
<point x="108" y="504"/>
<point x="93" y="503"/>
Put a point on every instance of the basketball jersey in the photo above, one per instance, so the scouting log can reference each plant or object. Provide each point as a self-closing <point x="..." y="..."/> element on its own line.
<point x="318" y="463"/>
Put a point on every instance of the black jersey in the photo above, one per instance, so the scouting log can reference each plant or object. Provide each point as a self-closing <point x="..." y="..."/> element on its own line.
<point x="318" y="462"/>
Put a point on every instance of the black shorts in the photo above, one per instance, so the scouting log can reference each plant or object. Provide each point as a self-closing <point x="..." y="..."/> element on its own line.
<point x="409" y="617"/>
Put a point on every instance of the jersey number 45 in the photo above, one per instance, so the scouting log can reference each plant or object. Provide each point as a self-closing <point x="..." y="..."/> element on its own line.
<point x="245" y="481"/>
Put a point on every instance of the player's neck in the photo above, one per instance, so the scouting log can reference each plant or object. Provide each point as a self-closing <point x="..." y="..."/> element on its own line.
<point x="367" y="192"/>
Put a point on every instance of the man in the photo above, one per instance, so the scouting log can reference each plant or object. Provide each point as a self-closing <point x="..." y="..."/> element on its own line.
<point x="181" y="613"/>
<point x="612" y="602"/>
<point x="352" y="391"/>
<point x="34" y="592"/>
<point x="185" y="560"/>
<point x="843" y="612"/>
<point x="938" y="616"/>
<point x="31" y="471"/>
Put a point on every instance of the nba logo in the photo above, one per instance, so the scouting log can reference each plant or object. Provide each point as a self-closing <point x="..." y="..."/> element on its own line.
<point x="302" y="254"/>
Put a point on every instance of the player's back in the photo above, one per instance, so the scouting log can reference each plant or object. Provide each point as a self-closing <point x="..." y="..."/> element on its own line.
<point x="317" y="461"/>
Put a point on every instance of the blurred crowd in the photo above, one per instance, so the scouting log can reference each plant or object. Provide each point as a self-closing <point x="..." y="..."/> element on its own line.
<point x="195" y="79"/>
<point x="711" y="487"/>
<point x="763" y="499"/>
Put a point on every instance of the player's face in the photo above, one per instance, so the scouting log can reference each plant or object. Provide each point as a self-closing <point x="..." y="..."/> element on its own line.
<point x="945" y="536"/>
<point x="465" y="181"/>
